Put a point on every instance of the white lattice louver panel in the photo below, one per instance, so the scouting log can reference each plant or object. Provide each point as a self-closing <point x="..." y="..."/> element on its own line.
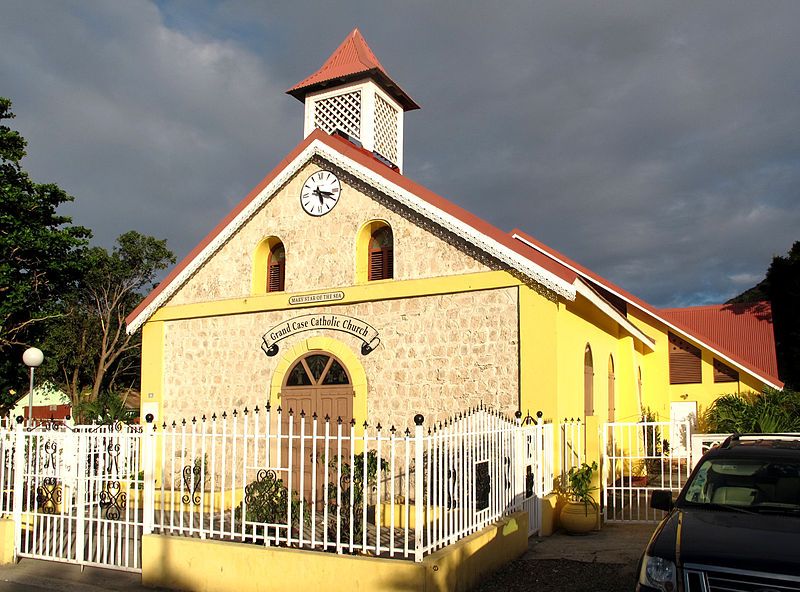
<point x="385" y="129"/>
<point x="342" y="112"/>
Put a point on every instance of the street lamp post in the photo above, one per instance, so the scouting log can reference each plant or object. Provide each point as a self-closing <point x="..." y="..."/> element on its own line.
<point x="33" y="358"/>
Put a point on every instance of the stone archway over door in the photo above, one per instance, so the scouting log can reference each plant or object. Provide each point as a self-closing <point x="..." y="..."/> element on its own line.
<point x="317" y="383"/>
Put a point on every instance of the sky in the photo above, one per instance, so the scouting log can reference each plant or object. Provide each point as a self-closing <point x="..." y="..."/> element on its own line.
<point x="654" y="142"/>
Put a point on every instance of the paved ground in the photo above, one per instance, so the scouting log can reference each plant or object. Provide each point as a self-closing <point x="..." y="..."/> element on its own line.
<point x="603" y="561"/>
<point x="31" y="575"/>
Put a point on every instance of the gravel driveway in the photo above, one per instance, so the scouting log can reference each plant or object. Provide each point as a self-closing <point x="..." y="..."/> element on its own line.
<point x="604" y="561"/>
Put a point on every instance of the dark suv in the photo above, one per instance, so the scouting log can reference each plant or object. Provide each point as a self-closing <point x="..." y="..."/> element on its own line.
<point x="735" y="525"/>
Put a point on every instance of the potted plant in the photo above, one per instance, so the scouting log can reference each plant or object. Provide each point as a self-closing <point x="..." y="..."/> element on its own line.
<point x="579" y="513"/>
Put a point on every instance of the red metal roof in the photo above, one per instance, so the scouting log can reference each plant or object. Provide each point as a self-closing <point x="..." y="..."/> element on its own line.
<point x="745" y="330"/>
<point x="351" y="61"/>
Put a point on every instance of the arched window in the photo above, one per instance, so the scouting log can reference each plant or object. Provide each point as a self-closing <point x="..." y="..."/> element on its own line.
<point x="276" y="268"/>
<point x="611" y="394"/>
<point x="588" y="381"/>
<point x="639" y="387"/>
<point x="381" y="254"/>
<point x="269" y="266"/>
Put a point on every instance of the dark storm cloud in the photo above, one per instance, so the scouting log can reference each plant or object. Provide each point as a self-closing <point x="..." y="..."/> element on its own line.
<point x="653" y="142"/>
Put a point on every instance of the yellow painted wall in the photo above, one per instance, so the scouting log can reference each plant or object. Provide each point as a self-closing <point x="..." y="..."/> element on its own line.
<point x="6" y="541"/>
<point x="579" y="323"/>
<point x="658" y="393"/>
<point x="208" y="566"/>
<point x="538" y="317"/>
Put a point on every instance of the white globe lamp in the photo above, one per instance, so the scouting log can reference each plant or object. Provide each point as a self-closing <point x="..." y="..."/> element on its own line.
<point x="33" y="358"/>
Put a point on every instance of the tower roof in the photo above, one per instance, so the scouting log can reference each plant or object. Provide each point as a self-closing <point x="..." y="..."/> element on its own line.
<point x="352" y="60"/>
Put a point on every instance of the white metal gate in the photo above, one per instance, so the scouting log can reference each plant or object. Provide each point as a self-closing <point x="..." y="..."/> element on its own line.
<point x="639" y="458"/>
<point x="82" y="495"/>
<point x="538" y="466"/>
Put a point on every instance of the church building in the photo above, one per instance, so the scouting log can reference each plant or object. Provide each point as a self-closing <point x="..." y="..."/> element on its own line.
<point x="341" y="287"/>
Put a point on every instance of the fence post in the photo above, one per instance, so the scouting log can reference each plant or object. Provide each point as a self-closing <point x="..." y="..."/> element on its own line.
<point x="519" y="463"/>
<point x="149" y="487"/>
<point x="19" y="463"/>
<point x="419" y="474"/>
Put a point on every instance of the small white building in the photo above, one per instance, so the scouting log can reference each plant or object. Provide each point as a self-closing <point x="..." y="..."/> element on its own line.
<point x="49" y="402"/>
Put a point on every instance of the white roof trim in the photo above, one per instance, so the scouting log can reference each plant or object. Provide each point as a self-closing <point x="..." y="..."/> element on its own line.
<point x="587" y="292"/>
<point x="408" y="199"/>
<point x="677" y="330"/>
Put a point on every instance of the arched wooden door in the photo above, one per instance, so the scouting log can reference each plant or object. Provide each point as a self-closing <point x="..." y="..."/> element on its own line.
<point x="317" y="383"/>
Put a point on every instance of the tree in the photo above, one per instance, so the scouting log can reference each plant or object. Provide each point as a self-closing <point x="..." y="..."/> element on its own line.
<point x="42" y="254"/>
<point x="90" y="349"/>
<point x="782" y="287"/>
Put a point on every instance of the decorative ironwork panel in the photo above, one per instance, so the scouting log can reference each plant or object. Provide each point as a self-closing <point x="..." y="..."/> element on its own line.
<point x="191" y="482"/>
<point x="483" y="485"/>
<point x="49" y="496"/>
<point x="452" y="489"/>
<point x="265" y="499"/>
<point x="113" y="500"/>
<point x="529" y="480"/>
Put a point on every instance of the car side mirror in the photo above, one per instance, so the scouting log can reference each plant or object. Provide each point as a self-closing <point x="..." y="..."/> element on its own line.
<point x="661" y="500"/>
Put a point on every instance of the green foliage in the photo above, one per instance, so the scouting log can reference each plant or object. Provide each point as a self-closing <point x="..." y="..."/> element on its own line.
<point x="768" y="411"/>
<point x="89" y="349"/>
<point x="352" y="482"/>
<point x="106" y="409"/>
<point x="43" y="254"/>
<point x="782" y="287"/>
<point x="579" y="484"/>
<point x="267" y="502"/>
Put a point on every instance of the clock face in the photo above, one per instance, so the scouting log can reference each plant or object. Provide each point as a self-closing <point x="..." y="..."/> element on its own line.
<point x="320" y="193"/>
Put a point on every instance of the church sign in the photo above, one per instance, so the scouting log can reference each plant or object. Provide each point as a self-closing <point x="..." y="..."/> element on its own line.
<point x="335" y="322"/>
<point x="316" y="298"/>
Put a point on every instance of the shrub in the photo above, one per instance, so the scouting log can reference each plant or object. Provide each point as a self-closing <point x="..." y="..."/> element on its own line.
<point x="768" y="411"/>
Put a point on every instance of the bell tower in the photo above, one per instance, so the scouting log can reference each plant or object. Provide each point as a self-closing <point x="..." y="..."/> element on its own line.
<point x="352" y="94"/>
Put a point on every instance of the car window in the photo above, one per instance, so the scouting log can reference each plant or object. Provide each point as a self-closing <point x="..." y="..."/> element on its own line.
<point x="767" y="486"/>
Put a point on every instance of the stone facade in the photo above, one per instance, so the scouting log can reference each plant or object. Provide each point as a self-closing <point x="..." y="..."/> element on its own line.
<point x="320" y="252"/>
<point x="438" y="355"/>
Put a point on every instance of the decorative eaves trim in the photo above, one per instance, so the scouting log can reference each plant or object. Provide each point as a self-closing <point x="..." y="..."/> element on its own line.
<point x="683" y="333"/>
<point x="587" y="292"/>
<point x="402" y="196"/>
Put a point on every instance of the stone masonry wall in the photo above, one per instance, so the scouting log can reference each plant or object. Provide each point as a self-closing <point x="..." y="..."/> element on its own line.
<point x="438" y="355"/>
<point x="320" y="252"/>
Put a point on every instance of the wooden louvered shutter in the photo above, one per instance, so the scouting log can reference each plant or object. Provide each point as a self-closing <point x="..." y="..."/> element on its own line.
<point x="724" y="373"/>
<point x="381" y="254"/>
<point x="276" y="269"/>
<point x="684" y="362"/>
<point x="375" y="264"/>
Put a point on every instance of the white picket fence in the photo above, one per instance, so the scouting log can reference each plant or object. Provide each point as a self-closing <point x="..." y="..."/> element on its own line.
<point x="270" y="477"/>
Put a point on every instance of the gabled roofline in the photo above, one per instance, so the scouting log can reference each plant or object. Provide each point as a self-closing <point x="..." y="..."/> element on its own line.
<point x="645" y="307"/>
<point x="347" y="157"/>
<point x="587" y="291"/>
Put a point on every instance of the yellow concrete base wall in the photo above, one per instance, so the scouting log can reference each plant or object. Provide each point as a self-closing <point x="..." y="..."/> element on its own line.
<point x="549" y="515"/>
<point x="207" y="566"/>
<point x="6" y="541"/>
<point x="465" y="564"/>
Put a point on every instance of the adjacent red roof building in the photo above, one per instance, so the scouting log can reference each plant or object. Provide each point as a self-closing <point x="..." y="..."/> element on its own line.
<point x="745" y="330"/>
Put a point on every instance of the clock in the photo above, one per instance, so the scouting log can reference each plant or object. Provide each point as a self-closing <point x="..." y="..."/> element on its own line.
<point x="320" y="193"/>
